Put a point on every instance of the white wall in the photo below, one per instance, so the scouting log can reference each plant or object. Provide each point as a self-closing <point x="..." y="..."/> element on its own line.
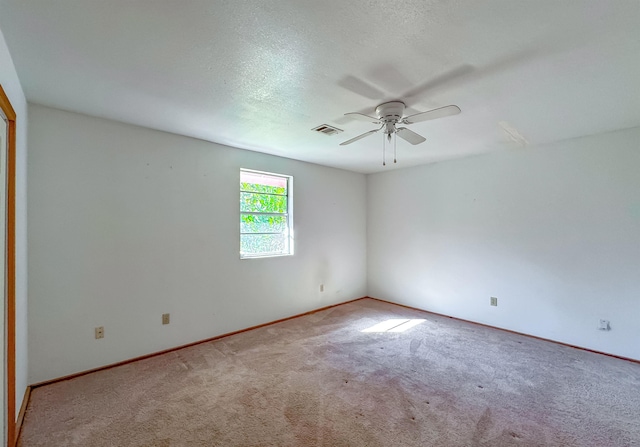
<point x="553" y="232"/>
<point x="11" y="85"/>
<point x="128" y="223"/>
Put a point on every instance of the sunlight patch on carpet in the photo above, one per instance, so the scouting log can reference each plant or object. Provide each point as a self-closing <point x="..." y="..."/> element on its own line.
<point x="394" y="325"/>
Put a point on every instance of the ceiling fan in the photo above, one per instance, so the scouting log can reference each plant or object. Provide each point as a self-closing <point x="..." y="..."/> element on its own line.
<point x="390" y="114"/>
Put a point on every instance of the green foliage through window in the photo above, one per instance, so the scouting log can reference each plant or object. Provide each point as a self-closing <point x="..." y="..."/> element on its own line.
<point x="263" y="203"/>
<point x="252" y="223"/>
<point x="269" y="189"/>
<point x="265" y="220"/>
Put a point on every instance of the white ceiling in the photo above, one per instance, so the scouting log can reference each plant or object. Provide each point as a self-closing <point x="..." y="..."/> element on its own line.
<point x="259" y="75"/>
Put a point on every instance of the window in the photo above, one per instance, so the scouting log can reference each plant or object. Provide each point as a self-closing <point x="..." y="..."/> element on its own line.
<point x="266" y="224"/>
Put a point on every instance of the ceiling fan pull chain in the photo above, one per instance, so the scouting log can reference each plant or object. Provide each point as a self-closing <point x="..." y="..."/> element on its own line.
<point x="384" y="163"/>
<point x="395" y="138"/>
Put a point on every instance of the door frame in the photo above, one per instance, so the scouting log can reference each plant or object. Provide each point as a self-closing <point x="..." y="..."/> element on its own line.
<point x="10" y="273"/>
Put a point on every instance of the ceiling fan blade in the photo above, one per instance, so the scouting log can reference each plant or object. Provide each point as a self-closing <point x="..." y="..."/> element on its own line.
<point x="366" y="134"/>
<point x="363" y="117"/>
<point x="448" y="77"/>
<point x="360" y="87"/>
<point x="410" y="135"/>
<point x="432" y="114"/>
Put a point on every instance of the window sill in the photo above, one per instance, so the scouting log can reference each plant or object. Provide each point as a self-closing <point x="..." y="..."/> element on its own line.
<point x="244" y="257"/>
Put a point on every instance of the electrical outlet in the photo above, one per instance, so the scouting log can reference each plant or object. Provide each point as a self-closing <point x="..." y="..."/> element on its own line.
<point x="322" y="287"/>
<point x="165" y="318"/>
<point x="604" y="325"/>
<point x="100" y="332"/>
<point x="494" y="301"/>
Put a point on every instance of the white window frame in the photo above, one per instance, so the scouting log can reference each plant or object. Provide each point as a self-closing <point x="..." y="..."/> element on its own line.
<point x="288" y="232"/>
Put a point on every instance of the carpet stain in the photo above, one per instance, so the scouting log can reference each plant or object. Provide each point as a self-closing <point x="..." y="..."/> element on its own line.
<point x="484" y="424"/>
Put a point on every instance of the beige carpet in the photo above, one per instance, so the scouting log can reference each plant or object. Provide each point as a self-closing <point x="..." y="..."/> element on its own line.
<point x="319" y="380"/>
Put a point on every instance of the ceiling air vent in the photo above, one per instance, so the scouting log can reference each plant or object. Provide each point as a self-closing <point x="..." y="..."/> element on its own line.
<point x="327" y="129"/>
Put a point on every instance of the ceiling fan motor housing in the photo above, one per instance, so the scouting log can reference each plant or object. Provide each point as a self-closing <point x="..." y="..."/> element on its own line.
<point x="390" y="111"/>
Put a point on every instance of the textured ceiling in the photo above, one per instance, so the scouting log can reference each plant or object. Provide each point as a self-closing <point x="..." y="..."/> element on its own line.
<point x="260" y="74"/>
